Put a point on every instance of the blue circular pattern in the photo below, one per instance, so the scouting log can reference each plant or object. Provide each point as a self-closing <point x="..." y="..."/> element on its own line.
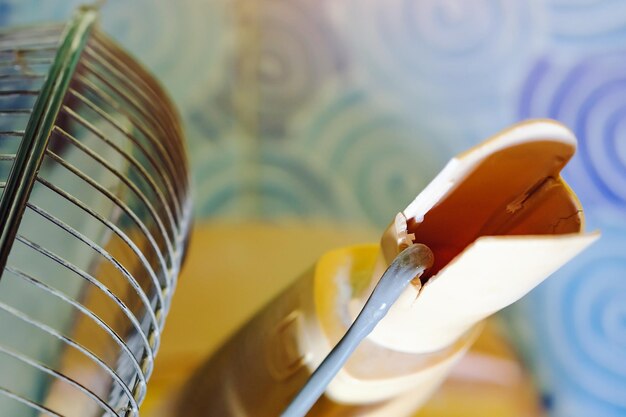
<point x="599" y="24"/>
<point x="285" y="53"/>
<point x="589" y="95"/>
<point x="579" y="328"/>
<point x="167" y="37"/>
<point x="439" y="48"/>
<point x="280" y="186"/>
<point x="372" y="149"/>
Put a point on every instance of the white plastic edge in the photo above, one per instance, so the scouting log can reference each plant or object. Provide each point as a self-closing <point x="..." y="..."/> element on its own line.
<point x="460" y="166"/>
<point x="489" y="275"/>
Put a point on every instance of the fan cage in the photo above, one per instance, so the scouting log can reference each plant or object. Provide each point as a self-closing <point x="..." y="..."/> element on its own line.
<point x="94" y="219"/>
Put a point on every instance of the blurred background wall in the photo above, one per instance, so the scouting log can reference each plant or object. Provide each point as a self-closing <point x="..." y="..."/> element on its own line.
<point x="342" y="110"/>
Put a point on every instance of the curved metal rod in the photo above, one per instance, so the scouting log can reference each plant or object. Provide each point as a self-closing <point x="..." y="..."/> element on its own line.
<point x="52" y="332"/>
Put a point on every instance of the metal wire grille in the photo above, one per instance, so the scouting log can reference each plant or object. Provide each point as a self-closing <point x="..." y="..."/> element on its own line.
<point x="95" y="252"/>
<point x="25" y="57"/>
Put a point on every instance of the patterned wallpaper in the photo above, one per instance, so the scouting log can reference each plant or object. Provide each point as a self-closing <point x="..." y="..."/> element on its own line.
<point x="345" y="109"/>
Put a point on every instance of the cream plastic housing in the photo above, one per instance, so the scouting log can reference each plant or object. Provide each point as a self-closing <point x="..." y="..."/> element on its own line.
<point x="489" y="275"/>
<point x="373" y="373"/>
<point x="500" y="220"/>
<point x="523" y="221"/>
